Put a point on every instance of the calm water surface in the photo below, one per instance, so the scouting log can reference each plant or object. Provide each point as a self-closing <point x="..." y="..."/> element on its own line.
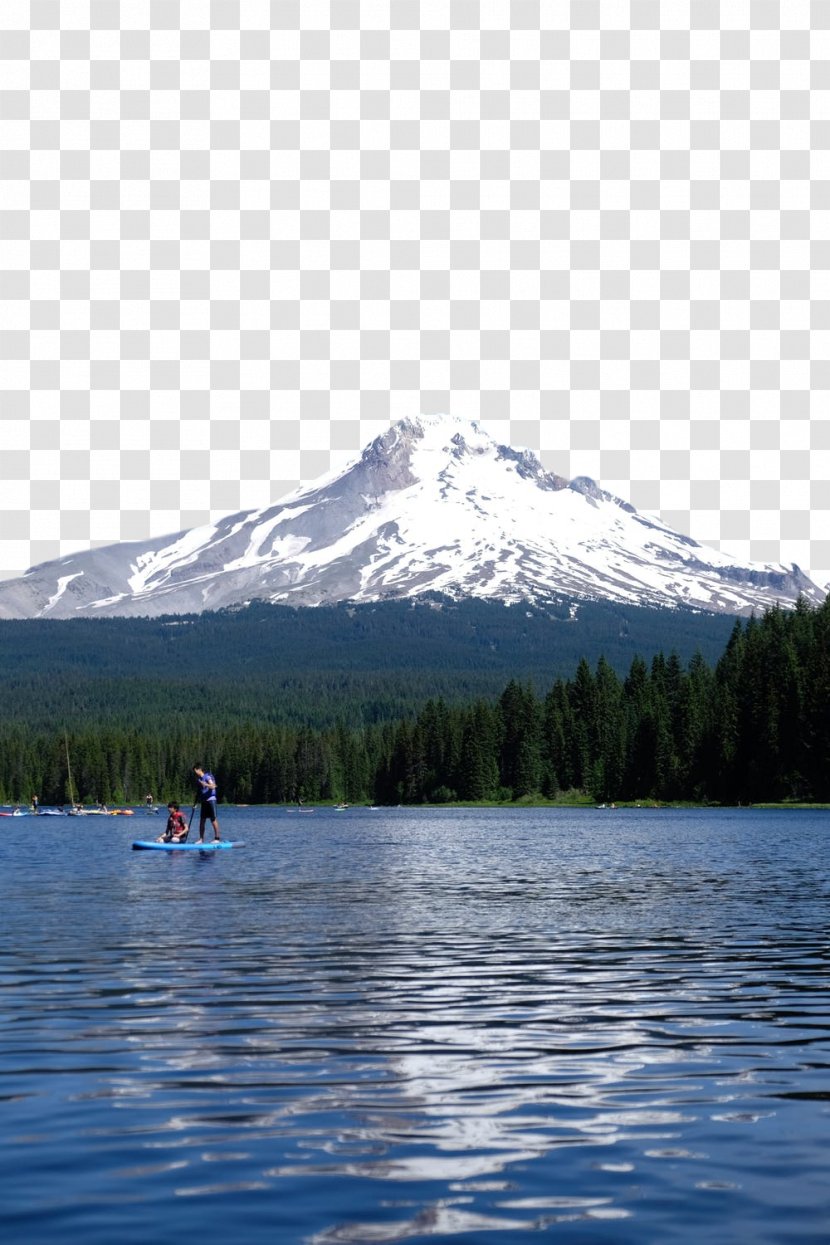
<point x="607" y="1026"/>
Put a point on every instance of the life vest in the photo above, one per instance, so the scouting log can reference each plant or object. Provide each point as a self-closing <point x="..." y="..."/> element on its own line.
<point x="178" y="823"/>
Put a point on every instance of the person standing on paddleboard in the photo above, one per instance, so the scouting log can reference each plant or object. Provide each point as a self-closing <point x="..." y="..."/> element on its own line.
<point x="207" y="800"/>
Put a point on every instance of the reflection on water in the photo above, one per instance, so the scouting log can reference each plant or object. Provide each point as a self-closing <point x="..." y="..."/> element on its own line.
<point x="393" y="1026"/>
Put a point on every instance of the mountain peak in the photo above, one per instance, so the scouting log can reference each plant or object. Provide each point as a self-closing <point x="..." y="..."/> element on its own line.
<point x="452" y="438"/>
<point x="432" y="504"/>
<point x="431" y="433"/>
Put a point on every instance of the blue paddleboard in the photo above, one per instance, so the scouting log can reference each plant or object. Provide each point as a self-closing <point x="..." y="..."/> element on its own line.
<point x="150" y="845"/>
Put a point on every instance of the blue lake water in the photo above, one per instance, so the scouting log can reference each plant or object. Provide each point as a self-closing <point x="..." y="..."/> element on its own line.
<point x="395" y="1025"/>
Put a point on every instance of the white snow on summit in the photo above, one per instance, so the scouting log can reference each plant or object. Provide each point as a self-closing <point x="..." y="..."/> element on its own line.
<point x="434" y="504"/>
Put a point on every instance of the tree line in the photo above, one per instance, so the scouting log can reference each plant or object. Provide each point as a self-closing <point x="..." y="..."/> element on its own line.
<point x="358" y="664"/>
<point x="753" y="727"/>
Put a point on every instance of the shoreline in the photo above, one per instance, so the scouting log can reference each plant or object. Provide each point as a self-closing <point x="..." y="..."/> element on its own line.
<point x="577" y="805"/>
<point x="637" y="805"/>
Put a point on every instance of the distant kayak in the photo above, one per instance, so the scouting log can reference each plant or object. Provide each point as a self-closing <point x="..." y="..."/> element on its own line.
<point x="150" y="845"/>
<point x="77" y="812"/>
<point x="18" y="812"/>
<point x="104" y="812"/>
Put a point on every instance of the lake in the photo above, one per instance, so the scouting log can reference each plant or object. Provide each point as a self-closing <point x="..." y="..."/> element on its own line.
<point x="418" y="1025"/>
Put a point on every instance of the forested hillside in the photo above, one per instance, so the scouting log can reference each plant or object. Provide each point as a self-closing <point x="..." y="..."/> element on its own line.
<point x="316" y="667"/>
<point x="753" y="726"/>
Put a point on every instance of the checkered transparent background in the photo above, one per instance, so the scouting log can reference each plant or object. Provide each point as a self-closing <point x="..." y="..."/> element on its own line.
<point x="237" y="238"/>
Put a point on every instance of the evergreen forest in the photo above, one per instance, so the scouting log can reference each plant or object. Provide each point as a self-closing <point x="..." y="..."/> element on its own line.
<point x="751" y="725"/>
<point x="358" y="664"/>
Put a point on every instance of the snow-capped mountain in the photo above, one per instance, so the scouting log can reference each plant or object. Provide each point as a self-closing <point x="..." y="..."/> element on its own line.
<point x="435" y="504"/>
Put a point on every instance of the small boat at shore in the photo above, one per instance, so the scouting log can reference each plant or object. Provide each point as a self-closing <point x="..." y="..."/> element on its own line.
<point x="80" y="811"/>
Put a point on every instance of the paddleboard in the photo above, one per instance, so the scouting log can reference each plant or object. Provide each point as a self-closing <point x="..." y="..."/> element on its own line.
<point x="150" y="845"/>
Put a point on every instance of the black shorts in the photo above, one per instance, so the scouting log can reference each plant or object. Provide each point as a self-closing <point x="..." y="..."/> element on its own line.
<point x="209" y="809"/>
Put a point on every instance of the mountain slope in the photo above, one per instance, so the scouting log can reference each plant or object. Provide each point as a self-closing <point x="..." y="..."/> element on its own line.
<point x="353" y="663"/>
<point x="432" y="505"/>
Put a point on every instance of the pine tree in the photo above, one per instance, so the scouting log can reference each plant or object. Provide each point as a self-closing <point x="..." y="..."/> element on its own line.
<point x="582" y="706"/>
<point x="520" y="753"/>
<point x="609" y="744"/>
<point x="557" y="772"/>
<point x="477" y="776"/>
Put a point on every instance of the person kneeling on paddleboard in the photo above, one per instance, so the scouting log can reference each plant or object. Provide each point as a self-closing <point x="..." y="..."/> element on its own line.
<point x="177" y="829"/>
<point x="207" y="800"/>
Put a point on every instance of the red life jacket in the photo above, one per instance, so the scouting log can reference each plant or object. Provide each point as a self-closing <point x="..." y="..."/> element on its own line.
<point x="178" y="823"/>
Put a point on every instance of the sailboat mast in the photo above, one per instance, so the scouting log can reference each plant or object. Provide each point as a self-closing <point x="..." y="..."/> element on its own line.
<point x="69" y="770"/>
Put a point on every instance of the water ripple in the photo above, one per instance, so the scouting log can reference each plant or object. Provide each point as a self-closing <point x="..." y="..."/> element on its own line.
<point x="587" y="1023"/>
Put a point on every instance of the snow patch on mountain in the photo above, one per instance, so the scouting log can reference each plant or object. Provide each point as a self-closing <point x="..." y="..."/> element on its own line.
<point x="63" y="580"/>
<point x="152" y="568"/>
